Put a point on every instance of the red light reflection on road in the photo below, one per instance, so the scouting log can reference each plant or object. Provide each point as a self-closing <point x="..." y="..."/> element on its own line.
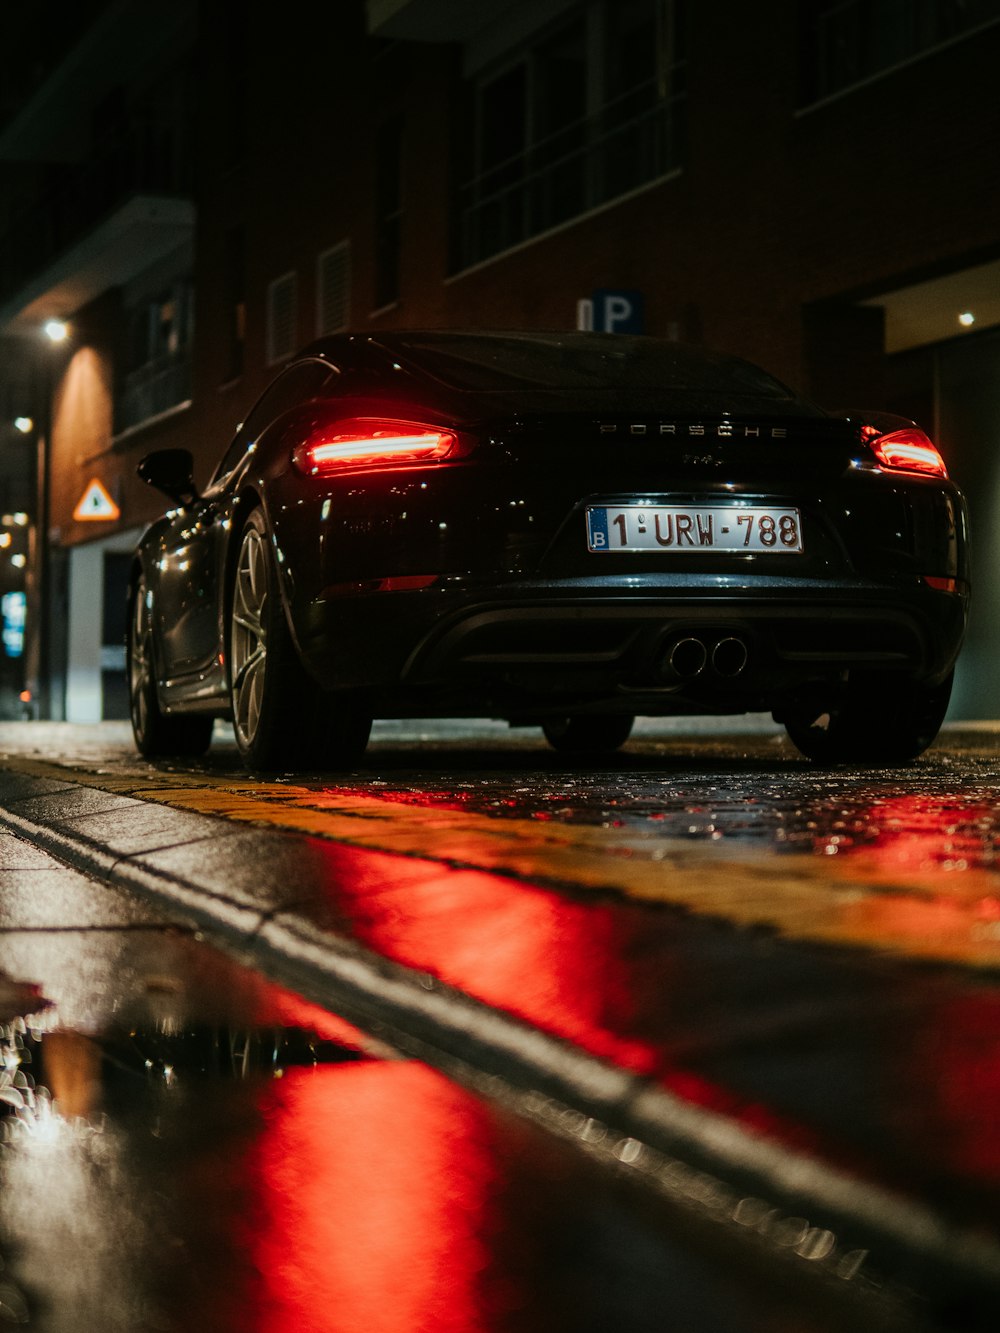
<point x="608" y="976"/>
<point x="588" y="972"/>
<point x="956" y="1077"/>
<point x="908" y="834"/>
<point x="930" y="861"/>
<point x="554" y="962"/>
<point x="372" y="1184"/>
<point x="282" y="1008"/>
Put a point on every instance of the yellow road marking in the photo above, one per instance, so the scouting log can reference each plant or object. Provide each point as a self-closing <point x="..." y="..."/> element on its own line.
<point x="853" y="899"/>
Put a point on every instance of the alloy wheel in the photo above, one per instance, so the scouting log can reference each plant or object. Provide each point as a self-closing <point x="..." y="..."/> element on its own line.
<point x="249" y="635"/>
<point x="140" y="662"/>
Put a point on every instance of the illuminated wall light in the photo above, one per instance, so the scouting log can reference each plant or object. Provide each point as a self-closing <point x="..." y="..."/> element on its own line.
<point x="24" y="424"/>
<point x="56" y="330"/>
<point x="5" y="540"/>
<point x="966" y="319"/>
<point x="19" y="561"/>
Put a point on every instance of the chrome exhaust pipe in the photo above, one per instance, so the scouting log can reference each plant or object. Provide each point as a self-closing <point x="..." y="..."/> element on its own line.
<point x="729" y="657"/>
<point x="686" y="659"/>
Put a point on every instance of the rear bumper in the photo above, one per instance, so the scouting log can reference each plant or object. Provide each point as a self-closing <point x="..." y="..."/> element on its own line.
<point x="524" y="648"/>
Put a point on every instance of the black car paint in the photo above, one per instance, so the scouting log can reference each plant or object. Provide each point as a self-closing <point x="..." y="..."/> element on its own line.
<point x="521" y="620"/>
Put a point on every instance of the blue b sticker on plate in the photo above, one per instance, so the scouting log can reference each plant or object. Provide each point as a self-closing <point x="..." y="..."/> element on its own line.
<point x="597" y="530"/>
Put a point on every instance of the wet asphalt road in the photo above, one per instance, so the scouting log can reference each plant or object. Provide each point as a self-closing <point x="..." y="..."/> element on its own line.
<point x="810" y="957"/>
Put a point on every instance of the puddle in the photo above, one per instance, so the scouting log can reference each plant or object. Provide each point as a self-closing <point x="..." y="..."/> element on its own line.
<point x="235" y="1158"/>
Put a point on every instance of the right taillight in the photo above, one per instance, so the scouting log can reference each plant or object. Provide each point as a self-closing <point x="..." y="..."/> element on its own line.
<point x="905" y="450"/>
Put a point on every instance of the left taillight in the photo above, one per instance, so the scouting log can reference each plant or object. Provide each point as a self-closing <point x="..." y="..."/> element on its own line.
<point x="371" y="442"/>
<point x="905" y="450"/>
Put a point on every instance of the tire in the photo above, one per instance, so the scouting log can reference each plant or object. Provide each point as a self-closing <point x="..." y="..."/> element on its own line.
<point x="281" y="719"/>
<point x="878" y="720"/>
<point x="157" y="734"/>
<point x="597" y="734"/>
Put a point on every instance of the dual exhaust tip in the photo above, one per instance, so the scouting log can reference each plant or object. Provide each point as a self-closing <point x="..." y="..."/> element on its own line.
<point x="686" y="658"/>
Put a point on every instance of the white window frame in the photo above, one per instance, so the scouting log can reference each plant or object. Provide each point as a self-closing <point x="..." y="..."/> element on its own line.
<point x="342" y="248"/>
<point x="276" y="352"/>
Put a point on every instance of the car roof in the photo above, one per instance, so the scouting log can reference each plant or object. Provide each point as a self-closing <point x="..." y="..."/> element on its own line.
<point x="492" y="365"/>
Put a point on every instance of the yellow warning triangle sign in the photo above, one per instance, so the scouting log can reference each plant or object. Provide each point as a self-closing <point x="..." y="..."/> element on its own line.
<point x="95" y="503"/>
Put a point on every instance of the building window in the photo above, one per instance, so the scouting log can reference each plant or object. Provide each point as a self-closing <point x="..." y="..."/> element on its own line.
<point x="282" y="317"/>
<point x="333" y="289"/>
<point x="590" y="111"/>
<point x="848" y="42"/>
<point x="388" y="210"/>
<point x="159" y="334"/>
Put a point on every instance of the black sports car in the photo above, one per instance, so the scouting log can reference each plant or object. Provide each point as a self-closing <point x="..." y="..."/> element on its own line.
<point x="565" y="530"/>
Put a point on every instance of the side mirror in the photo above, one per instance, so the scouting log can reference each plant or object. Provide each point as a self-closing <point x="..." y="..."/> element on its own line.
<point x="170" y="471"/>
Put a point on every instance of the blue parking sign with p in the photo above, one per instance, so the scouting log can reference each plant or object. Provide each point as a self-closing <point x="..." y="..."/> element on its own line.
<point x="617" y="311"/>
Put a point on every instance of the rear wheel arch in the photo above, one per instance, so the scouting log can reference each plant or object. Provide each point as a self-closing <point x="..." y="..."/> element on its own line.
<point x="280" y="717"/>
<point x="248" y="500"/>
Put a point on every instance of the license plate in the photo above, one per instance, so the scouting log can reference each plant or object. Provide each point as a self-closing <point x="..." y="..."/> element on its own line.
<point x="685" y="528"/>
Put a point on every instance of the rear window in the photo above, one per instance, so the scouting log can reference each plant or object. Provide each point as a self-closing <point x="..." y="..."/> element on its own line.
<point x="585" y="361"/>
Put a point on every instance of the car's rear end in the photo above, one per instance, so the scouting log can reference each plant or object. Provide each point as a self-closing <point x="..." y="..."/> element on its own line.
<point x="707" y="546"/>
